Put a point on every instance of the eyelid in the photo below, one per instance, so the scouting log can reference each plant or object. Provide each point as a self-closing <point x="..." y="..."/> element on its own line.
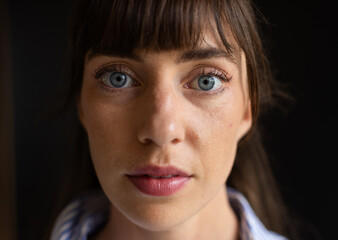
<point x="208" y="70"/>
<point x="116" y="67"/>
<point x="203" y="70"/>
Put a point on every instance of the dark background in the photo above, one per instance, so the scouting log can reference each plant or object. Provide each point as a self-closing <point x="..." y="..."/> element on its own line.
<point x="302" y="41"/>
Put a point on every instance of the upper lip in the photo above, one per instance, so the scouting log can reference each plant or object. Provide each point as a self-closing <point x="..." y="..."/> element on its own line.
<point x="158" y="171"/>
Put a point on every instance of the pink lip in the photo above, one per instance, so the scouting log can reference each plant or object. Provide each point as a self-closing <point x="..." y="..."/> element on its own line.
<point x="151" y="180"/>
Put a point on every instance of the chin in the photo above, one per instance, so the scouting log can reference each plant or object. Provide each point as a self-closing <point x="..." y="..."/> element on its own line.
<point x="155" y="217"/>
<point x="157" y="214"/>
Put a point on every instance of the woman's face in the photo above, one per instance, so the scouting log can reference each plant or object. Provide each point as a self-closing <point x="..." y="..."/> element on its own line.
<point x="185" y="110"/>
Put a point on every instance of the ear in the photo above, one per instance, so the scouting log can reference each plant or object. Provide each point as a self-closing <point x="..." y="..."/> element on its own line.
<point x="246" y="122"/>
<point x="80" y="112"/>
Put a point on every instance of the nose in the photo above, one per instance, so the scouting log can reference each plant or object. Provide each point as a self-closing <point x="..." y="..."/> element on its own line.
<point x="162" y="122"/>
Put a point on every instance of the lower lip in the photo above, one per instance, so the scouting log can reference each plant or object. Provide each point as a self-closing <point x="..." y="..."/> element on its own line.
<point x="159" y="186"/>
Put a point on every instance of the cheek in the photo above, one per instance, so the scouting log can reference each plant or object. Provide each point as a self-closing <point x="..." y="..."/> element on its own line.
<point x="219" y="129"/>
<point x="217" y="145"/>
<point x="109" y="134"/>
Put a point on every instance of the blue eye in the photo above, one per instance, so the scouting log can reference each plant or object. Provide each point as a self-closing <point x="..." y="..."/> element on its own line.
<point x="117" y="80"/>
<point x="207" y="83"/>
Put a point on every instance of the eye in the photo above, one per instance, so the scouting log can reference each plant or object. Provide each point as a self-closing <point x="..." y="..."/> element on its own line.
<point x="207" y="83"/>
<point x="117" y="80"/>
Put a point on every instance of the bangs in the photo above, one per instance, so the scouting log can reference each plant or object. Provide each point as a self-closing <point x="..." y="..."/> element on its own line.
<point x="121" y="27"/>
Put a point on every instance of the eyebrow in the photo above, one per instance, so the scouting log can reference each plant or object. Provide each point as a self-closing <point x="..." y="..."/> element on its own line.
<point x="186" y="56"/>
<point x="131" y="56"/>
<point x="205" y="53"/>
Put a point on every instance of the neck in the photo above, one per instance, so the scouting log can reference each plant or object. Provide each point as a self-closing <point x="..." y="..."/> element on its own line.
<point x="216" y="220"/>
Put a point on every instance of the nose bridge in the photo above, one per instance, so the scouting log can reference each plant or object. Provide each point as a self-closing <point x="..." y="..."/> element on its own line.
<point x="162" y="116"/>
<point x="162" y="101"/>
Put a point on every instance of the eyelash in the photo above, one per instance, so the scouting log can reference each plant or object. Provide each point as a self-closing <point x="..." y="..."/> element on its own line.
<point x="110" y="68"/>
<point x="215" y="72"/>
<point x="120" y="68"/>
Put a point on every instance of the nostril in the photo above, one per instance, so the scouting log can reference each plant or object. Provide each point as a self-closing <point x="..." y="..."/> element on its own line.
<point x="146" y="141"/>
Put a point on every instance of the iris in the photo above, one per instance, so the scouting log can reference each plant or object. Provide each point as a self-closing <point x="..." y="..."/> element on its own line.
<point x="206" y="82"/>
<point x="117" y="79"/>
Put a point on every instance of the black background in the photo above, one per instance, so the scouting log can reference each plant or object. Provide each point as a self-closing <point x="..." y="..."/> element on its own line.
<point x="301" y="38"/>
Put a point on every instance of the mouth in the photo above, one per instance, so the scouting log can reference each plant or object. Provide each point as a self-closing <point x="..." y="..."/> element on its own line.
<point x="159" y="181"/>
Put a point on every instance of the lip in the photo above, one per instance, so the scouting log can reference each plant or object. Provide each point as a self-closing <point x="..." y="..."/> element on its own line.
<point x="159" y="181"/>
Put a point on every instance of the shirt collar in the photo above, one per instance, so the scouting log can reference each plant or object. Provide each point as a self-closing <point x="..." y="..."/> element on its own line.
<point x="251" y="228"/>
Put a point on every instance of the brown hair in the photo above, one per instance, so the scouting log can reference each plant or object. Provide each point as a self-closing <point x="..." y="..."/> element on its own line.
<point x="123" y="26"/>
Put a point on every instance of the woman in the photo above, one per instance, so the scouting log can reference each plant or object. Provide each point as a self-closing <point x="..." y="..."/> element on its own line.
<point x="168" y="94"/>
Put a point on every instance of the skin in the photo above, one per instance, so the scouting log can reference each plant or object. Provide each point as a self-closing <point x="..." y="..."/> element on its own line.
<point x="164" y="119"/>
